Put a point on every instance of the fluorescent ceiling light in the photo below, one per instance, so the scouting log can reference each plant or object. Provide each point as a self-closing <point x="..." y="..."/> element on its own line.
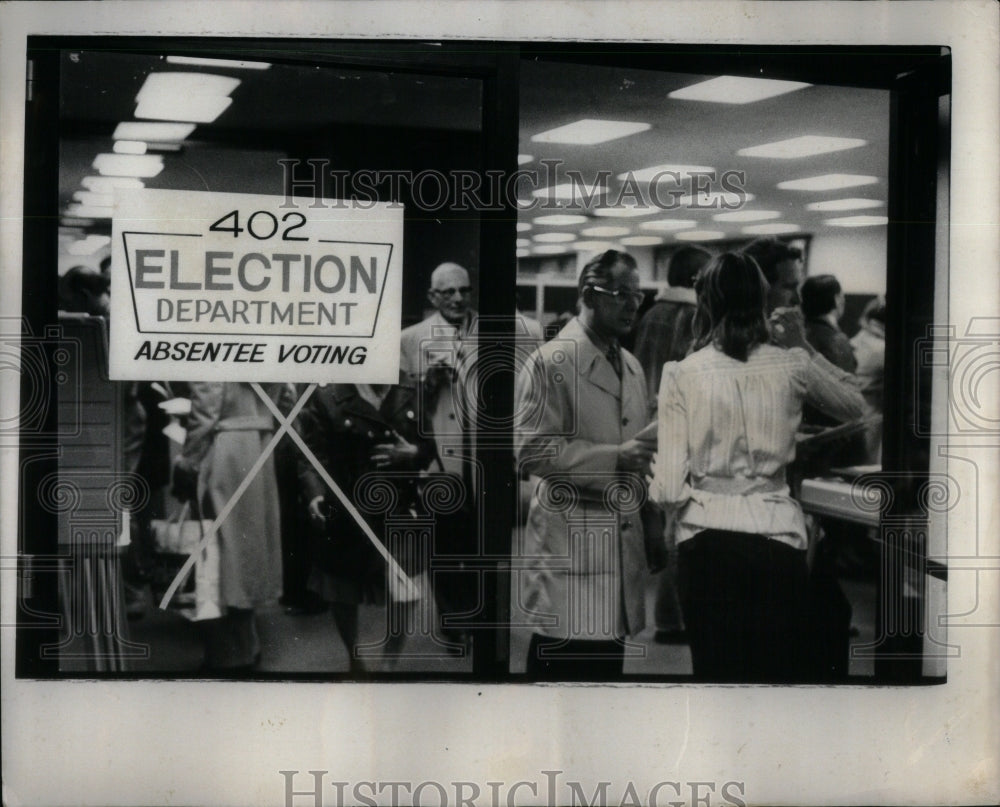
<point x="827" y="182"/>
<point x="606" y="232"/>
<point x="90" y="211"/>
<point x="570" y="191"/>
<point x="667" y="225"/>
<point x="167" y="84"/>
<point x="524" y="159"/>
<point x="523" y="242"/>
<point x="108" y="184"/>
<point x="554" y="238"/>
<point x="748" y="215"/>
<point x="844" y="204"/>
<point x="735" y="90"/>
<point x="626" y="211"/>
<point x="238" y="64"/>
<point x="592" y="246"/>
<point x="725" y="200"/>
<point x="666" y="173"/>
<point x="523" y="226"/>
<point x="523" y="253"/>
<point x="591" y="131"/>
<point x="771" y="229"/>
<point x="858" y="221"/>
<point x="700" y="235"/>
<point x="92" y="198"/>
<point x="642" y="240"/>
<point x="152" y="132"/>
<point x="198" y="97"/>
<point x="129" y="147"/>
<point x="560" y="219"/>
<point x="805" y="146"/>
<point x="129" y="165"/>
<point x="551" y="249"/>
<point x="197" y="108"/>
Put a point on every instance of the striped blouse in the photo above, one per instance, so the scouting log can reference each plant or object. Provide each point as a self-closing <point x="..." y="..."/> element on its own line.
<point x="726" y="431"/>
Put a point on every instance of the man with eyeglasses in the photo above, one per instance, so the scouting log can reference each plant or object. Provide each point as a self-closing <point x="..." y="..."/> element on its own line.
<point x="580" y="406"/>
<point x="438" y="353"/>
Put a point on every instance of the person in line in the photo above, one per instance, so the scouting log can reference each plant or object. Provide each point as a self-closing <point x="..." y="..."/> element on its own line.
<point x="227" y="430"/>
<point x="869" y="351"/>
<point x="781" y="264"/>
<point x="665" y="334"/>
<point x="833" y="541"/>
<point x="356" y="430"/>
<point x="578" y="414"/>
<point x="823" y="306"/>
<point x="437" y="356"/>
<point x="727" y="418"/>
<point x="85" y="291"/>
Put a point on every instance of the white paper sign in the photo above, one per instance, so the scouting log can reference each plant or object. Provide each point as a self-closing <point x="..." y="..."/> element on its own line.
<point x="241" y="287"/>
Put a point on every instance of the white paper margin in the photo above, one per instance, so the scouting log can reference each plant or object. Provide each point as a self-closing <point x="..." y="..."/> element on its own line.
<point x="218" y="743"/>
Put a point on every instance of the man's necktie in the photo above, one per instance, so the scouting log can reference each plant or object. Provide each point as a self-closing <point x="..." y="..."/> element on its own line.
<point x="614" y="356"/>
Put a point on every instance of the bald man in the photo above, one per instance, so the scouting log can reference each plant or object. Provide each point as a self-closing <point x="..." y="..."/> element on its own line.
<point x="439" y="355"/>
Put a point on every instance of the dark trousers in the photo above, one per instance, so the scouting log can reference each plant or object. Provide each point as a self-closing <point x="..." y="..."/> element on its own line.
<point x="745" y="601"/>
<point x="456" y="583"/>
<point x="553" y="659"/>
<point x="295" y="560"/>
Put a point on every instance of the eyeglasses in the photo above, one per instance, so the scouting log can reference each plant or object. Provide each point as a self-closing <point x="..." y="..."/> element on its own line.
<point x="464" y="291"/>
<point x="621" y="295"/>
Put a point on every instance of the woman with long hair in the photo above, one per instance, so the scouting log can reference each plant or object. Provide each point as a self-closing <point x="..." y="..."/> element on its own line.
<point x="727" y="418"/>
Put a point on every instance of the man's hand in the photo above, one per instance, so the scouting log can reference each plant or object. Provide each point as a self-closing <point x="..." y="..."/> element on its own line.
<point x="787" y="327"/>
<point x="636" y="455"/>
<point x="438" y="377"/>
<point x="386" y="455"/>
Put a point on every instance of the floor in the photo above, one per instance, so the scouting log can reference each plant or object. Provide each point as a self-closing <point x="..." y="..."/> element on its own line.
<point x="310" y="644"/>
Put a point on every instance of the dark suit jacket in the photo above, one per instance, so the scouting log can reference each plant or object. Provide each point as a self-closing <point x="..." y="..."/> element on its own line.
<point x="832" y="344"/>
<point x="342" y="429"/>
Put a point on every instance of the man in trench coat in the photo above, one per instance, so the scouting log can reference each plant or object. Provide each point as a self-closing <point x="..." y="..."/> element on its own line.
<point x="438" y="357"/>
<point x="580" y="403"/>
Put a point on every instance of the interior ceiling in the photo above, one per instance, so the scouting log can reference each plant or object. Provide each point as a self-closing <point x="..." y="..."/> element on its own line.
<point x="705" y="134"/>
<point x="288" y="101"/>
<point x="272" y="109"/>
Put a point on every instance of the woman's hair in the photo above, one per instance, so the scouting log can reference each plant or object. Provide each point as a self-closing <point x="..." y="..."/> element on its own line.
<point x="732" y="293"/>
<point x="598" y="269"/>
<point x="819" y="295"/>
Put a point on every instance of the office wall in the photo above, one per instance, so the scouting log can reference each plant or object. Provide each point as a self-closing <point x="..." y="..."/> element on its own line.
<point x="857" y="258"/>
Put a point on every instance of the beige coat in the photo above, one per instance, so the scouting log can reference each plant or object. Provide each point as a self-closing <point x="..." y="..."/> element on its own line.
<point x="435" y="343"/>
<point x="583" y="548"/>
<point x="227" y="429"/>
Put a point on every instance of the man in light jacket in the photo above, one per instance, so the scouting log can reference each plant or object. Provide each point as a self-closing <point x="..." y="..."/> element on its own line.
<point x="580" y="404"/>
<point x="437" y="356"/>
